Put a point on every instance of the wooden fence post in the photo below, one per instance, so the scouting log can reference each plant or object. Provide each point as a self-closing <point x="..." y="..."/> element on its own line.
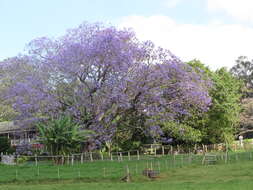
<point x="128" y="171"/>
<point x="68" y="159"/>
<point x="16" y="173"/>
<point x="79" y="174"/>
<point x="120" y="156"/>
<point x="204" y="158"/>
<point x="82" y="158"/>
<point x="236" y="157"/>
<point x="129" y="156"/>
<point x="138" y="155"/>
<point x="62" y="160"/>
<point x="38" y="171"/>
<point x="163" y="150"/>
<point x="72" y="159"/>
<point x="91" y="157"/>
<point x="174" y="160"/>
<point x="136" y="168"/>
<point x="36" y="160"/>
<point x="101" y="155"/>
<point x="166" y="165"/>
<point x="190" y="158"/>
<point x="203" y="148"/>
<point x="226" y="157"/>
<point x="127" y="174"/>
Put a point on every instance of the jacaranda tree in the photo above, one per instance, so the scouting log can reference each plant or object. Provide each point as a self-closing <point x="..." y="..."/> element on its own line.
<point x="108" y="81"/>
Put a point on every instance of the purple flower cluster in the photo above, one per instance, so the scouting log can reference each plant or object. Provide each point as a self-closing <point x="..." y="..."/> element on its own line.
<point x="99" y="74"/>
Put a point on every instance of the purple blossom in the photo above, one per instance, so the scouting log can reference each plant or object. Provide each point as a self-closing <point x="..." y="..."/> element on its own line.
<point x="99" y="75"/>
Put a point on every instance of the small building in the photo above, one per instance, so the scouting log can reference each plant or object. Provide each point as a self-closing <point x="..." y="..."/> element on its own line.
<point x="18" y="135"/>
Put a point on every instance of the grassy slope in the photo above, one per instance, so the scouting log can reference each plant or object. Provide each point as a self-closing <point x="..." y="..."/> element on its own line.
<point x="90" y="171"/>
<point x="221" y="177"/>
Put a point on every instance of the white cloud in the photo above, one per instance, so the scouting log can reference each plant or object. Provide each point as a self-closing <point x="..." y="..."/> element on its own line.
<point x="215" y="44"/>
<point x="239" y="9"/>
<point x="172" y="3"/>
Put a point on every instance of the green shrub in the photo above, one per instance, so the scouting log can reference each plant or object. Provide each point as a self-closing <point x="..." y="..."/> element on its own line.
<point x="22" y="159"/>
<point x="5" y="145"/>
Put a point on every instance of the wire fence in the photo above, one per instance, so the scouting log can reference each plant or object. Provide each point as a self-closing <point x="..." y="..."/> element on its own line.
<point x="45" y="168"/>
<point x="146" y="152"/>
<point x="93" y="166"/>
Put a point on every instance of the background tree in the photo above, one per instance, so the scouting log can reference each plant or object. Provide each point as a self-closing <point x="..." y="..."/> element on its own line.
<point x="221" y="122"/>
<point x="224" y="116"/>
<point x="243" y="70"/>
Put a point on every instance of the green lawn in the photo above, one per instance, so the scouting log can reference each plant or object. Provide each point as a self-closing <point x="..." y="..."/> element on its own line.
<point x="92" y="171"/>
<point x="217" y="177"/>
<point x="235" y="175"/>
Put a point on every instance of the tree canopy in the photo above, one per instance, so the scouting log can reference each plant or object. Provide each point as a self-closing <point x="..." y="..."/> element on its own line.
<point x="243" y="70"/>
<point x="221" y="122"/>
<point x="107" y="81"/>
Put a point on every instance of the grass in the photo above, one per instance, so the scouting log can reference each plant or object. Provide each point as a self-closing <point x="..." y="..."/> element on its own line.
<point x="216" y="177"/>
<point x="91" y="171"/>
<point x="235" y="175"/>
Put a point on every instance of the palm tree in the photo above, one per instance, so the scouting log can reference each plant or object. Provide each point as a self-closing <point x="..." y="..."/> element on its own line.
<point x="62" y="136"/>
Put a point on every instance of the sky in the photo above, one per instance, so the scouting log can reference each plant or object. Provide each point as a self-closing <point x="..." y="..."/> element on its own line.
<point x="215" y="32"/>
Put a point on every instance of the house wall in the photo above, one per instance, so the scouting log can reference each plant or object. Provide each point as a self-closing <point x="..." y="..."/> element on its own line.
<point x="18" y="138"/>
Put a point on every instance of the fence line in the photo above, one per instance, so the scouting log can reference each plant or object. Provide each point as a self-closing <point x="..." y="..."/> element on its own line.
<point x="112" y="169"/>
<point x="145" y="153"/>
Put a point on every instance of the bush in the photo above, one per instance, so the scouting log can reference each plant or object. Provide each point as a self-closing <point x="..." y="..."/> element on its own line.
<point x="5" y="145"/>
<point x="22" y="159"/>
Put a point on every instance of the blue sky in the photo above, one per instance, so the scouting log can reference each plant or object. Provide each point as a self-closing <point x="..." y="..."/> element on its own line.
<point x="202" y="29"/>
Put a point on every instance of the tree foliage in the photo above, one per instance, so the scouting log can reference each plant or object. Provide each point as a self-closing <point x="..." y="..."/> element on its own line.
<point x="107" y="81"/>
<point x="62" y="136"/>
<point x="220" y="123"/>
<point x="5" y="145"/>
<point x="7" y="113"/>
<point x="243" y="70"/>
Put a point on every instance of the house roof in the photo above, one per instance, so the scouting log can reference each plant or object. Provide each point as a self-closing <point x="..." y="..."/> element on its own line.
<point x="10" y="127"/>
